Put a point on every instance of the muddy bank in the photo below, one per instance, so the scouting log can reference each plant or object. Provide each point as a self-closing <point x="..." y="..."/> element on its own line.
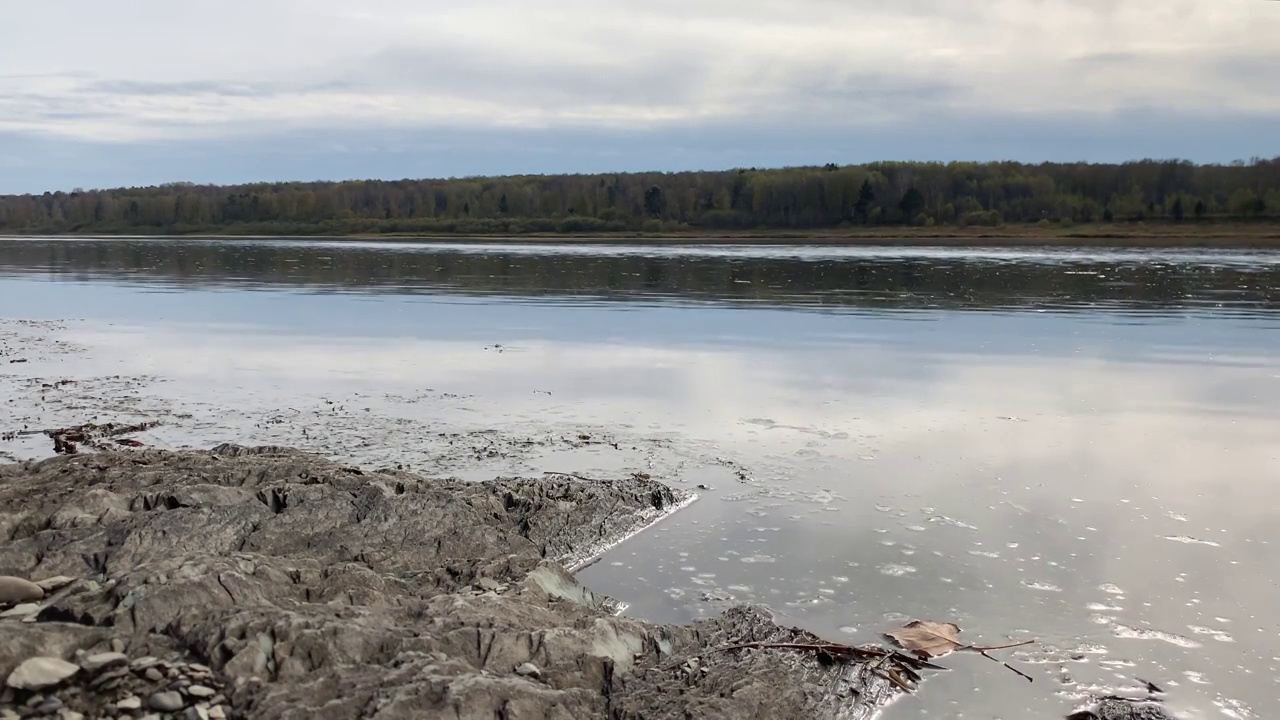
<point x="272" y="583"/>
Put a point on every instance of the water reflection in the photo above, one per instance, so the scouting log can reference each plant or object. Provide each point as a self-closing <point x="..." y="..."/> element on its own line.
<point x="1099" y="479"/>
<point x="1142" y="282"/>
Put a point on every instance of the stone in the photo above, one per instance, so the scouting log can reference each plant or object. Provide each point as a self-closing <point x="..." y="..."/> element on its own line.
<point x="201" y="691"/>
<point x="7" y="714"/>
<point x="41" y="672"/>
<point x="143" y="663"/>
<point x="54" y="584"/>
<point x="198" y="668"/>
<point x="153" y="674"/>
<point x="529" y="670"/>
<point x="117" y="645"/>
<point x="345" y="587"/>
<point x="167" y="701"/>
<point x="195" y="713"/>
<point x="129" y="703"/>
<point x="49" y="706"/>
<point x="70" y="715"/>
<point x="14" y="590"/>
<point x="21" y="612"/>
<point x="101" y="661"/>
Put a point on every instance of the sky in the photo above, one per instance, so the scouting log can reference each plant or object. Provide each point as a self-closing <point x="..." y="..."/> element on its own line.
<point x="139" y="92"/>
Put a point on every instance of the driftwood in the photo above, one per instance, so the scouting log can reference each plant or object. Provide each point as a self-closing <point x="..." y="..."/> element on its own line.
<point x="66" y="441"/>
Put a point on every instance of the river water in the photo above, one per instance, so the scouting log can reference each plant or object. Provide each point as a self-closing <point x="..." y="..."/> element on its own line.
<point x="1076" y="447"/>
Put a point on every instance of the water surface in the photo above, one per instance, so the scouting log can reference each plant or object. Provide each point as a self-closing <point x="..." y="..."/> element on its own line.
<point x="1074" y="446"/>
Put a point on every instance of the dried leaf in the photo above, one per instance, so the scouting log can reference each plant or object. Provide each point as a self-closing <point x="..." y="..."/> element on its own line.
<point x="926" y="638"/>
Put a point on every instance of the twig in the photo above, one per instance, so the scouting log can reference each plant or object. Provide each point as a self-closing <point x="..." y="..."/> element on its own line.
<point x="1016" y="670"/>
<point x="985" y="648"/>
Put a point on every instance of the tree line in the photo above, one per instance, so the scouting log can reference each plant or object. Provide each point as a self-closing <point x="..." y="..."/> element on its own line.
<point x="800" y="198"/>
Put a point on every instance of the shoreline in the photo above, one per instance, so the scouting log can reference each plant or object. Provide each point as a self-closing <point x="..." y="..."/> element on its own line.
<point x="1224" y="235"/>
<point x="316" y="587"/>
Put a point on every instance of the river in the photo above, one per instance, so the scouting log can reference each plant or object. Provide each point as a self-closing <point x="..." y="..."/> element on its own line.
<point x="1076" y="447"/>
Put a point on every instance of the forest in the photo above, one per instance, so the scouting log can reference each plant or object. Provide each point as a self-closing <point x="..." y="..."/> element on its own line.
<point x="851" y="197"/>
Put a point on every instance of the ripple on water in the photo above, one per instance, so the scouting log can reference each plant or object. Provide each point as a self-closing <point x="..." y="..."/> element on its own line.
<point x="758" y="559"/>
<point x="896" y="570"/>
<point x="1219" y="635"/>
<point x="1188" y="540"/>
<point x="1111" y="589"/>
<point x="1038" y="585"/>
<point x="1132" y="633"/>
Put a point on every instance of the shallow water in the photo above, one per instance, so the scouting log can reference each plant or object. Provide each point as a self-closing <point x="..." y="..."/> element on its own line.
<point x="1074" y="446"/>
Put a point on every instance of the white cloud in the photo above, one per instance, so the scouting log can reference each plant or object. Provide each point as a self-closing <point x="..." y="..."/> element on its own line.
<point x="152" y="68"/>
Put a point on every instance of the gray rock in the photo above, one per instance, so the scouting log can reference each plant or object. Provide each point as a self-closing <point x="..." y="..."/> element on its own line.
<point x="314" y="589"/>
<point x="167" y="701"/>
<point x="49" y="706"/>
<point x="102" y="661"/>
<point x="41" y="672"/>
<point x="117" y="645"/>
<point x="54" y="584"/>
<point x="21" y="612"/>
<point x="528" y="670"/>
<point x="200" y="691"/>
<point x="129" y="703"/>
<point x="14" y="590"/>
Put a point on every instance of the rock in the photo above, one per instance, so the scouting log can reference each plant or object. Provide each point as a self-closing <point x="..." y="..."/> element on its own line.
<point x="21" y="612"/>
<point x="70" y="715"/>
<point x="322" y="592"/>
<point x="200" y="691"/>
<point x="142" y="663"/>
<point x="41" y="672"/>
<point x="130" y="703"/>
<point x="195" y="713"/>
<point x="14" y="590"/>
<point x="54" y="584"/>
<point x="167" y="701"/>
<point x="49" y="706"/>
<point x="101" y="661"/>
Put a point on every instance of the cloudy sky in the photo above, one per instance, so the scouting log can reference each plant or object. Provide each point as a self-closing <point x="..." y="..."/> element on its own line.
<point x="97" y="94"/>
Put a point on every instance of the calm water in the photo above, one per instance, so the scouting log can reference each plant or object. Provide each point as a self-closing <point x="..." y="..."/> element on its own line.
<point x="1077" y="447"/>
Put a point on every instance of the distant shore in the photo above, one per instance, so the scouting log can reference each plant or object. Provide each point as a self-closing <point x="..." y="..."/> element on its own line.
<point x="1223" y="235"/>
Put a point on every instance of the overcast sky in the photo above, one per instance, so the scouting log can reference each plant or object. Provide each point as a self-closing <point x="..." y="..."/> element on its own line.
<point x="99" y="93"/>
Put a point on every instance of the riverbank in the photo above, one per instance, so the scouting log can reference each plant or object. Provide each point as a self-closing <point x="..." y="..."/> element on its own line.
<point x="1137" y="235"/>
<point x="269" y="582"/>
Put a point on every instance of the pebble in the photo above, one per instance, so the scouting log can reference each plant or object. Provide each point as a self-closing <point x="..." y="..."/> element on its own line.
<point x="49" y="706"/>
<point x="71" y="715"/>
<point x="129" y="703"/>
<point x="217" y="713"/>
<point x="21" y="612"/>
<point x="488" y="584"/>
<point x="529" y="670"/>
<point x="143" y="663"/>
<point x="41" y="672"/>
<point x="15" y="590"/>
<point x="198" y="668"/>
<point x="55" y="584"/>
<point x="153" y="674"/>
<point x="168" y="701"/>
<point x="100" y="661"/>
<point x="200" y="691"/>
<point x="195" y="713"/>
<point x="117" y="645"/>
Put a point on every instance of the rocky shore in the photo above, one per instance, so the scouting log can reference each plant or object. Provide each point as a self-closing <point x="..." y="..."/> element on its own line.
<point x="271" y="583"/>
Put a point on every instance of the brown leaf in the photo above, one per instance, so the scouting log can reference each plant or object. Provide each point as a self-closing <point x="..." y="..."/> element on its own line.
<point x="926" y="638"/>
